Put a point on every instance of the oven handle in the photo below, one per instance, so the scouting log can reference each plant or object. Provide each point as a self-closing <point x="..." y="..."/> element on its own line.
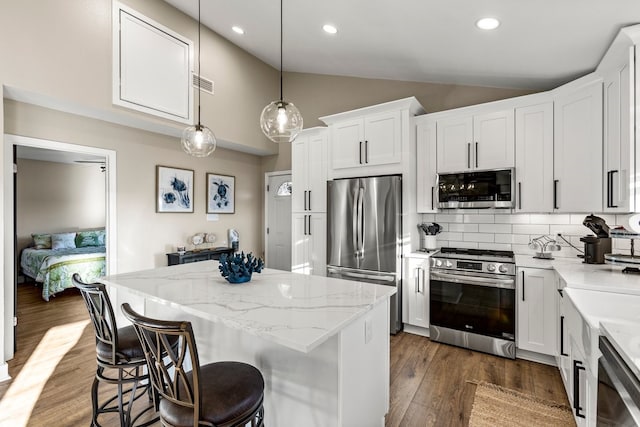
<point x="476" y="281"/>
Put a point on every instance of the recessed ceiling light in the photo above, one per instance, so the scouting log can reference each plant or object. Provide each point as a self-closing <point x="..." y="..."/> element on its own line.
<point x="237" y="29"/>
<point x="329" y="29"/>
<point x="488" y="23"/>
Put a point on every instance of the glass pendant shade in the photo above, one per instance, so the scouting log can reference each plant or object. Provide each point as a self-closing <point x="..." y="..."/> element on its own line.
<point x="281" y="121"/>
<point x="198" y="141"/>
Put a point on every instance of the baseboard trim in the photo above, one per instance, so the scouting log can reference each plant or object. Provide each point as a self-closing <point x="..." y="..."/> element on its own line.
<point x="416" y="330"/>
<point x="4" y="372"/>
<point x="535" y="357"/>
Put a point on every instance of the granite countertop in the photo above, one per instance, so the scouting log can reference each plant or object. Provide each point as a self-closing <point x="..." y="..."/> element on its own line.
<point x="294" y="310"/>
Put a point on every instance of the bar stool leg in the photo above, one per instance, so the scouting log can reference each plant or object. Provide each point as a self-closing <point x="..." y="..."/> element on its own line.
<point x="94" y="397"/>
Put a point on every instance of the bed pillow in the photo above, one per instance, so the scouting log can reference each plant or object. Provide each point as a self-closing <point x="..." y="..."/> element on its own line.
<point x="41" y="240"/>
<point x="63" y="241"/>
<point x="90" y="238"/>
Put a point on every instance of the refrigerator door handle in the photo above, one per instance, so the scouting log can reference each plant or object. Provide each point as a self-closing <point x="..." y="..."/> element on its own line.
<point x="361" y="223"/>
<point x="358" y="275"/>
<point x="354" y="228"/>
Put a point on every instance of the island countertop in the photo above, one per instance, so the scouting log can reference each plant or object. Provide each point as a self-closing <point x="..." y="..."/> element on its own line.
<point x="294" y="310"/>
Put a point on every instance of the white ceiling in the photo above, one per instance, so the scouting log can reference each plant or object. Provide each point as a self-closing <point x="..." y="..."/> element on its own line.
<point x="540" y="44"/>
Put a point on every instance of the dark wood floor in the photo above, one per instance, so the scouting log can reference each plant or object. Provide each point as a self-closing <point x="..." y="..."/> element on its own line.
<point x="54" y="366"/>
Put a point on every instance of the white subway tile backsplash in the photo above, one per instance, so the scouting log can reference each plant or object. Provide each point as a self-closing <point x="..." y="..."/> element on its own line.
<point x="428" y="217"/>
<point x="512" y="219"/>
<point x="450" y="236"/>
<point x="469" y="245"/>
<point x="497" y="246"/>
<point x="530" y="229"/>
<point x="520" y="239"/>
<point x="478" y="237"/>
<point x="549" y="219"/>
<point x="494" y="228"/>
<point x="569" y="230"/>
<point x="479" y="219"/>
<point x="465" y="228"/>
<point x="449" y="217"/>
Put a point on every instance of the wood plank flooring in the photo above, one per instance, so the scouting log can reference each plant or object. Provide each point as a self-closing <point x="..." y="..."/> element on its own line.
<point x="55" y="363"/>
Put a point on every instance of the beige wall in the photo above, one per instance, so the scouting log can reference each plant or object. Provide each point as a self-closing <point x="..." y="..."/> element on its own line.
<point x="56" y="197"/>
<point x="62" y="50"/>
<point x="321" y="95"/>
<point x="144" y="236"/>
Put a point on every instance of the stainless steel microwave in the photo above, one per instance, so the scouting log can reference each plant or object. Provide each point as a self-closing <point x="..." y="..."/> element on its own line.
<point x="477" y="189"/>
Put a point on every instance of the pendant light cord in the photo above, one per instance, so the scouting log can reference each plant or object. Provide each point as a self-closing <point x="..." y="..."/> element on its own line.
<point x="281" y="97"/>
<point x="199" y="48"/>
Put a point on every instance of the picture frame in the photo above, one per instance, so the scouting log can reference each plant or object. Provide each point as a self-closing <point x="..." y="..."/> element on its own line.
<point x="174" y="190"/>
<point x="221" y="194"/>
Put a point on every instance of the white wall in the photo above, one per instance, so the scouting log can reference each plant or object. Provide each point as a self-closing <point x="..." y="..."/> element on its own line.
<point x="496" y="229"/>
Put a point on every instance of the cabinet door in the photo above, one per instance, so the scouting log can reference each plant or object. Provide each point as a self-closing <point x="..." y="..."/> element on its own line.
<point x="426" y="176"/>
<point x="417" y="291"/>
<point x="317" y="172"/>
<point x="537" y="310"/>
<point x="347" y="139"/>
<point x="300" y="244"/>
<point x="493" y="140"/>
<point x="317" y="255"/>
<point x="383" y="139"/>
<point x="454" y="144"/>
<point x="618" y="177"/>
<point x="534" y="158"/>
<point x="299" y="173"/>
<point x="578" y="150"/>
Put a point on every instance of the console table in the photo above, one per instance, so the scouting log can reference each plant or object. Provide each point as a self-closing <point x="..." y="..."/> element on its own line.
<point x="195" y="256"/>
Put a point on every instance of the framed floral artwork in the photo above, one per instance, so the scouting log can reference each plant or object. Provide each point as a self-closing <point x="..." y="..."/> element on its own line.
<point x="174" y="189"/>
<point x="221" y="194"/>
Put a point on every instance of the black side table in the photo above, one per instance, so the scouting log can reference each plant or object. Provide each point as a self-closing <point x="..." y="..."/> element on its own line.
<point x="195" y="256"/>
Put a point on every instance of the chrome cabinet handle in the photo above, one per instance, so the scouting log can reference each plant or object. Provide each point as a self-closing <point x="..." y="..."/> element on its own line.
<point x="417" y="280"/>
<point x="360" y="152"/>
<point x="309" y="196"/>
<point x="523" y="286"/>
<point x="555" y="193"/>
<point x="468" y="155"/>
<point x="476" y="154"/>
<point x="432" y="190"/>
<point x="305" y="200"/>
<point x="520" y="195"/>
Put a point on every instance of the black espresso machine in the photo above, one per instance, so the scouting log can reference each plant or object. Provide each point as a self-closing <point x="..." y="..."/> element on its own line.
<point x="595" y="247"/>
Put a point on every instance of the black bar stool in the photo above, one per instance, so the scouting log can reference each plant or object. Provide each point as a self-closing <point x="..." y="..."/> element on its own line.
<point x="116" y="350"/>
<point x="222" y="394"/>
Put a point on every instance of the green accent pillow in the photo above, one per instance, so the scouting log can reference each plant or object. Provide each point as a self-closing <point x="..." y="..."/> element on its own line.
<point x="63" y="241"/>
<point x="41" y="240"/>
<point x="90" y="238"/>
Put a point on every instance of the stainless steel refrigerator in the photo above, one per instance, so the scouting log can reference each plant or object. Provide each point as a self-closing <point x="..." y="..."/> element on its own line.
<point x="364" y="234"/>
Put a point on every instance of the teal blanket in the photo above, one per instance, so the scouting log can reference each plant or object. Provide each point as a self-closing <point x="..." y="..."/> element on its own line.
<point x="54" y="268"/>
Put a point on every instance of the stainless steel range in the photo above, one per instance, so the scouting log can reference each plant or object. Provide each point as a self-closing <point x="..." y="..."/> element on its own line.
<point x="473" y="300"/>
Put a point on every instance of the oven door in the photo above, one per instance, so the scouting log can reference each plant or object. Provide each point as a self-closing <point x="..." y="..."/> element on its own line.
<point x="618" y="390"/>
<point x="480" y="303"/>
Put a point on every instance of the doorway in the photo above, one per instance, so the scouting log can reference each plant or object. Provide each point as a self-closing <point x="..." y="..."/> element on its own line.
<point x="278" y="220"/>
<point x="11" y="142"/>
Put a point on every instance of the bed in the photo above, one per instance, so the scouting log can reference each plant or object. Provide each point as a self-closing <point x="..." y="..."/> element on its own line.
<point x="53" y="265"/>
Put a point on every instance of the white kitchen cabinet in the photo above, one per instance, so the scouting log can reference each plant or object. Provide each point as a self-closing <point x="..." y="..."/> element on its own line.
<point x="534" y="158"/>
<point x="416" y="291"/>
<point x="537" y="311"/>
<point x="619" y="137"/>
<point x="309" y="243"/>
<point x="578" y="147"/>
<point x="481" y="141"/>
<point x="309" y="171"/>
<point x="426" y="177"/>
<point x="367" y="141"/>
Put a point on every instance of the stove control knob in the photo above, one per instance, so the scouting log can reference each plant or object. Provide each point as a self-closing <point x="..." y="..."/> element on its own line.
<point x="448" y="264"/>
<point x="438" y="263"/>
<point x="503" y="269"/>
<point x="491" y="267"/>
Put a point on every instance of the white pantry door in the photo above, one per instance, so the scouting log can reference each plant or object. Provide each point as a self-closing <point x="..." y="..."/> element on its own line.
<point x="278" y="254"/>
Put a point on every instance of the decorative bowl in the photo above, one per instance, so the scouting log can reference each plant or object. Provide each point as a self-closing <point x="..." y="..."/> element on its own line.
<point x="238" y="268"/>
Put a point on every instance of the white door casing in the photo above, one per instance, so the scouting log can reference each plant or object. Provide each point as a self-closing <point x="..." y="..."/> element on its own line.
<point x="278" y="220"/>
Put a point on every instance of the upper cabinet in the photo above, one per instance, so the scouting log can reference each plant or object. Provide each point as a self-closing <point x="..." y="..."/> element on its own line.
<point x="151" y="66"/>
<point x="482" y="141"/>
<point x="577" y="185"/>
<point x="534" y="158"/>
<point x="309" y="171"/>
<point x="427" y="179"/>
<point x="371" y="140"/>
<point x="619" y="72"/>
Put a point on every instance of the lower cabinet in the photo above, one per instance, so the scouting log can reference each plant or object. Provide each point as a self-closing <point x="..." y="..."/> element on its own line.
<point x="416" y="291"/>
<point x="537" y="310"/>
<point x="309" y="244"/>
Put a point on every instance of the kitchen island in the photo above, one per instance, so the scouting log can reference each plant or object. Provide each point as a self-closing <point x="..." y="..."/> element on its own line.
<point x="322" y="344"/>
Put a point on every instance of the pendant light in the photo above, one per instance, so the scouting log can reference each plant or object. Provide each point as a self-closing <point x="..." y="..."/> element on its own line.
<point x="198" y="140"/>
<point x="281" y="121"/>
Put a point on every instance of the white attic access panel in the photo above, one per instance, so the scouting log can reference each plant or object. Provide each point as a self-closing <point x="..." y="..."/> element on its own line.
<point x="151" y="66"/>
